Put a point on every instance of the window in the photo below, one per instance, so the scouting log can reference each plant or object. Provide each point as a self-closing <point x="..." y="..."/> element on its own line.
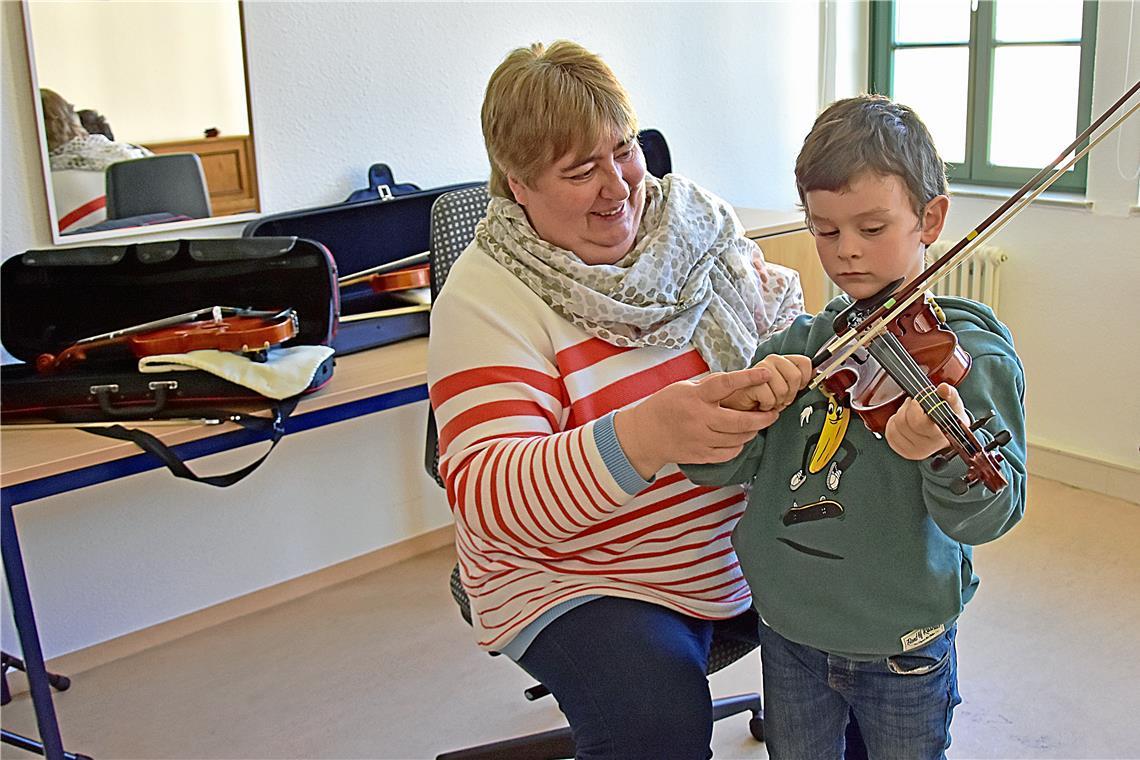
<point x="1003" y="85"/>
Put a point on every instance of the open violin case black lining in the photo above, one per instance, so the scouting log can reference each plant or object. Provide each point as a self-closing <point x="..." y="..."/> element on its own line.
<point x="361" y="236"/>
<point x="53" y="298"/>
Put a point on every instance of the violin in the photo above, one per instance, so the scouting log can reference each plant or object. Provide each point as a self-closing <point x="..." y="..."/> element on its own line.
<point x="898" y="336"/>
<point x="909" y="359"/>
<point x="220" y="328"/>
<point x="402" y="274"/>
<point x="403" y="279"/>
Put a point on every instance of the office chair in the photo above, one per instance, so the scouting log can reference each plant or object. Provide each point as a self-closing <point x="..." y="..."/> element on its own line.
<point x="170" y="182"/>
<point x="656" y="150"/>
<point x="453" y="219"/>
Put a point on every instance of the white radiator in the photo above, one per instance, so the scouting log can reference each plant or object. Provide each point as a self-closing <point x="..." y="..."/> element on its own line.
<point x="976" y="279"/>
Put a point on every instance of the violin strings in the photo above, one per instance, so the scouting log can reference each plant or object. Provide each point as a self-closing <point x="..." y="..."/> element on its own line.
<point x="939" y="411"/>
<point x="889" y="351"/>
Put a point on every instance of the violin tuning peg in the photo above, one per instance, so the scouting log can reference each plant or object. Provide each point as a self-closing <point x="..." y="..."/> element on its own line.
<point x="959" y="486"/>
<point x="1000" y="439"/>
<point x="942" y="458"/>
<point x="982" y="421"/>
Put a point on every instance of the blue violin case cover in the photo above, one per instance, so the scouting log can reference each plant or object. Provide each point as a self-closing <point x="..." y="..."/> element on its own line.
<point x="361" y="236"/>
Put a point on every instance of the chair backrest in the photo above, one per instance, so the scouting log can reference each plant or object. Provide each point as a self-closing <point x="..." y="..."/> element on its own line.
<point x="453" y="219"/>
<point x="656" y="150"/>
<point x="169" y="182"/>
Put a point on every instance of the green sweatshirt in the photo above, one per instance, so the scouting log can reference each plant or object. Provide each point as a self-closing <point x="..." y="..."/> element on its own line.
<point x="848" y="547"/>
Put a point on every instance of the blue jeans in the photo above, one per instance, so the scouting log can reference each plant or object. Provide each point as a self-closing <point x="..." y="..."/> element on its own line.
<point x="630" y="677"/>
<point x="903" y="704"/>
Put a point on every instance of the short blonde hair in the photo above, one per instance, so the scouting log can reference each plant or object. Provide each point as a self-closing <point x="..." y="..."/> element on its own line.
<point x="544" y="102"/>
<point x="61" y="122"/>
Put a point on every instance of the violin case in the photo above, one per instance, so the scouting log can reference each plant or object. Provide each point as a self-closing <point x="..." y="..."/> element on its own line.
<point x="361" y="236"/>
<point x="49" y="299"/>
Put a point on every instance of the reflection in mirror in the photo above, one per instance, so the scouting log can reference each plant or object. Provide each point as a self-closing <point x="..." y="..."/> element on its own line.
<point x="144" y="115"/>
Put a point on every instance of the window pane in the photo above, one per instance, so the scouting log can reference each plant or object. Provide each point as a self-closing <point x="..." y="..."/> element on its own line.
<point x="1036" y="21"/>
<point x="933" y="82"/>
<point x="932" y="20"/>
<point x="1030" y="124"/>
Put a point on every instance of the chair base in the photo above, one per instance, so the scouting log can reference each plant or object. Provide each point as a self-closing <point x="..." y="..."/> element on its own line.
<point x="559" y="744"/>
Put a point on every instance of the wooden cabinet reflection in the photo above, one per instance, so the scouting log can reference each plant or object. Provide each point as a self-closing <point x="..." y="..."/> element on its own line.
<point x="227" y="163"/>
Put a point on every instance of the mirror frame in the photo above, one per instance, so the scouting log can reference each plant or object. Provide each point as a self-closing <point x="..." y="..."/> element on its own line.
<point x="167" y="227"/>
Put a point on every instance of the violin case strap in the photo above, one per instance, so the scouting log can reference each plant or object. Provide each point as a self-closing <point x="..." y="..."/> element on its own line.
<point x="274" y="425"/>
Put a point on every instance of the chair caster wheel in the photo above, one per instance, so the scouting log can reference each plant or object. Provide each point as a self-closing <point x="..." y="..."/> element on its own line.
<point x="756" y="728"/>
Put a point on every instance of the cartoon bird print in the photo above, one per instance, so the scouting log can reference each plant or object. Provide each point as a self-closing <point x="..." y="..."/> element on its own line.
<point x="821" y="447"/>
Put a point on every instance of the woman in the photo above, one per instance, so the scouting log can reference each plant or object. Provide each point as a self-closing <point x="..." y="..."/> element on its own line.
<point x="78" y="160"/>
<point x="562" y="362"/>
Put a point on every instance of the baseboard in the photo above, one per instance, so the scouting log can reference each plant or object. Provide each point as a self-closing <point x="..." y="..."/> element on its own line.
<point x="1084" y="472"/>
<point x="90" y="657"/>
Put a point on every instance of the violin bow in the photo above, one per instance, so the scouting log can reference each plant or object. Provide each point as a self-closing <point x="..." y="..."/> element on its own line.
<point x="391" y="266"/>
<point x="871" y="326"/>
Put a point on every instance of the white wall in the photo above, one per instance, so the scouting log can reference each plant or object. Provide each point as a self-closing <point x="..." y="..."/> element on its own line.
<point x="402" y="83"/>
<point x="334" y="88"/>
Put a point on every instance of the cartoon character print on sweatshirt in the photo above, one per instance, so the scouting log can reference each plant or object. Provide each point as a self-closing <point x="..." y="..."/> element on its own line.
<point x="820" y="452"/>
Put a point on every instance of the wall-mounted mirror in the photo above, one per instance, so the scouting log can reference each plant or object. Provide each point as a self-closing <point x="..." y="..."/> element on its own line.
<point x="124" y="86"/>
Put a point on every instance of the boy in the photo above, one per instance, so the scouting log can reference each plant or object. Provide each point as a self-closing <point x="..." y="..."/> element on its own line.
<point x="856" y="548"/>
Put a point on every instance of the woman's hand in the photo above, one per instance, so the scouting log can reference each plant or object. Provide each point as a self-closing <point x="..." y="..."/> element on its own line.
<point x="913" y="435"/>
<point x="685" y="422"/>
<point x="788" y="375"/>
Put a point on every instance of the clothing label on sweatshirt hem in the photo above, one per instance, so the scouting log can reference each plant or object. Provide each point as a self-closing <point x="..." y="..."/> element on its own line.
<point x="920" y="636"/>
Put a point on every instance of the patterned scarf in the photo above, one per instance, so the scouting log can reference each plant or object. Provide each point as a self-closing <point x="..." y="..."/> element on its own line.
<point x="689" y="278"/>
<point x="93" y="153"/>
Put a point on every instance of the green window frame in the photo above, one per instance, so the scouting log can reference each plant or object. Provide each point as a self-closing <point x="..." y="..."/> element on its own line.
<point x="976" y="168"/>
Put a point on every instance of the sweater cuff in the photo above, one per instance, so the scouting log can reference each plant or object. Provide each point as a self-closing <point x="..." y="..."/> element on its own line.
<point x="605" y="438"/>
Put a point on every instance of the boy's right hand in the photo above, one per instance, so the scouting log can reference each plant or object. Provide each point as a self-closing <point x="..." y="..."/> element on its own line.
<point x="787" y="375"/>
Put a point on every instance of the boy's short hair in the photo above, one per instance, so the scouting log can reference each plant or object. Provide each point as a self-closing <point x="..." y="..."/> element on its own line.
<point x="870" y="133"/>
<point x="544" y="102"/>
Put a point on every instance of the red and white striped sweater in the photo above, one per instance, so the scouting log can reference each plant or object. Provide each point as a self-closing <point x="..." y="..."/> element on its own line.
<point x="517" y="391"/>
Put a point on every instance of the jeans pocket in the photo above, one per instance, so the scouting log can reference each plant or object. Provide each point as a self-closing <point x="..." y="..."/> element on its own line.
<point x="925" y="660"/>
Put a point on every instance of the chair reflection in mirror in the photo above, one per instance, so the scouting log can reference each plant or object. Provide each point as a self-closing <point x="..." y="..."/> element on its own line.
<point x="171" y="183"/>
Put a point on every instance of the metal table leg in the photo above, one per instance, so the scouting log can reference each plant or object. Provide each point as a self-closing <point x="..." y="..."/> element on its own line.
<point x="29" y="637"/>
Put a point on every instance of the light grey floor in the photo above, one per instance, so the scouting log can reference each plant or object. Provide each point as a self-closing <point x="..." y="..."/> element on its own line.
<point x="383" y="667"/>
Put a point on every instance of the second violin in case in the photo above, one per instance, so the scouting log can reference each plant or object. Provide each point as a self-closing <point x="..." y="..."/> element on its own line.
<point x="380" y="247"/>
<point x="116" y="332"/>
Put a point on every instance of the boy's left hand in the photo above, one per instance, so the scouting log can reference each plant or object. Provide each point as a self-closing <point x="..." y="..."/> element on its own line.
<point x="787" y="376"/>
<point x="913" y="435"/>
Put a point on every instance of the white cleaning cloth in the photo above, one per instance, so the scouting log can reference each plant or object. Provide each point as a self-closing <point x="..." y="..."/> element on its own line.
<point x="286" y="372"/>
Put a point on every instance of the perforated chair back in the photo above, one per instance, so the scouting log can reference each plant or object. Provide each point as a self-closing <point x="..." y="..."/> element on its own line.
<point x="453" y="219"/>
<point x="171" y="182"/>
